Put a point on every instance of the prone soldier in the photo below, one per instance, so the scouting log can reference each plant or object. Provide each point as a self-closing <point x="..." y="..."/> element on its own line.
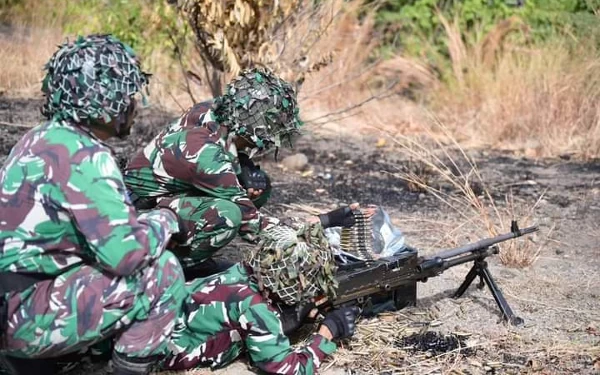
<point x="237" y="310"/>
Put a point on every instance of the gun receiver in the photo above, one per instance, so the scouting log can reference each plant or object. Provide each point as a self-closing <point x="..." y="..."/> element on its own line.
<point x="390" y="282"/>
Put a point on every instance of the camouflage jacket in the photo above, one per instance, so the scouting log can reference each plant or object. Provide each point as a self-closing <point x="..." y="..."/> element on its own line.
<point x="193" y="156"/>
<point x="63" y="202"/>
<point x="225" y="314"/>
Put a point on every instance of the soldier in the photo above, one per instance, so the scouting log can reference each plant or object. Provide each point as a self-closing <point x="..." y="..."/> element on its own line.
<point x="236" y="310"/>
<point x="193" y="165"/>
<point x="77" y="263"/>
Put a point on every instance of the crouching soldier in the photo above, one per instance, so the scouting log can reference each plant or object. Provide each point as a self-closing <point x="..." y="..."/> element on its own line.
<point x="237" y="311"/>
<point x="201" y="167"/>
<point x="77" y="264"/>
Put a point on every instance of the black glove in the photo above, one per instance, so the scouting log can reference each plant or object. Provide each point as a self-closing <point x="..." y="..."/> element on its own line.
<point x="341" y="322"/>
<point x="340" y="217"/>
<point x="292" y="318"/>
<point x="254" y="178"/>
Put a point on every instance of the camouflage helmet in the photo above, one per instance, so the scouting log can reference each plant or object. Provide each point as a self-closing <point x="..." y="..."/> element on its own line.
<point x="294" y="262"/>
<point x="260" y="107"/>
<point x="90" y="81"/>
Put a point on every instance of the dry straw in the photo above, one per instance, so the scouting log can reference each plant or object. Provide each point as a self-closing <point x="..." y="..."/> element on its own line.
<point x="446" y="171"/>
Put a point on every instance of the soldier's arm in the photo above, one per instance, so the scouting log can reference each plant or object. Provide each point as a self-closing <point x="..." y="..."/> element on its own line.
<point x="215" y="176"/>
<point x="119" y="240"/>
<point x="270" y="349"/>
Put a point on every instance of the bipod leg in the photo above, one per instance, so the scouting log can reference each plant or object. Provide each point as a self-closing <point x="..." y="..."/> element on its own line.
<point x="507" y="312"/>
<point x="467" y="282"/>
<point x="481" y="283"/>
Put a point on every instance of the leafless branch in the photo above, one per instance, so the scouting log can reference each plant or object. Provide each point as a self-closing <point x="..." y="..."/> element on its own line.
<point x="387" y="92"/>
<point x="179" y="56"/>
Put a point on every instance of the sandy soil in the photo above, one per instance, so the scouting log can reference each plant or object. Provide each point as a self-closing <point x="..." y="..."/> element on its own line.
<point x="558" y="296"/>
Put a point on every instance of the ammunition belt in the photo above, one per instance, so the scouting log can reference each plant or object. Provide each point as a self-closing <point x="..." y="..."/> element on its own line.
<point x="358" y="239"/>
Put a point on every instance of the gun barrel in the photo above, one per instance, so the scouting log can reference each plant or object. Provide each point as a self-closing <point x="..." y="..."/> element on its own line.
<point x="485" y="243"/>
<point x="441" y="264"/>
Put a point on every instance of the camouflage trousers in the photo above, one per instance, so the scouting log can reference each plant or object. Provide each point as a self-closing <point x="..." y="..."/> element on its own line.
<point x="212" y="223"/>
<point x="84" y="306"/>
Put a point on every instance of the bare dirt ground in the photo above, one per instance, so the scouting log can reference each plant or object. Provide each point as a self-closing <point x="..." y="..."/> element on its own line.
<point x="558" y="296"/>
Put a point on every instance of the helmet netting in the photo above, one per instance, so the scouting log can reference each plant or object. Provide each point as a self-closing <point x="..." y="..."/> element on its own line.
<point x="261" y="107"/>
<point x="91" y="80"/>
<point x="294" y="264"/>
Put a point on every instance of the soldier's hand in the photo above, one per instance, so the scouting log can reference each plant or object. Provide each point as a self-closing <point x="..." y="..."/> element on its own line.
<point x="341" y="322"/>
<point x="340" y="217"/>
<point x="292" y="317"/>
<point x="253" y="178"/>
<point x="253" y="194"/>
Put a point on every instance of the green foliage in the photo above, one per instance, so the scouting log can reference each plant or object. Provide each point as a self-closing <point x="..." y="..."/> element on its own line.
<point x="409" y="25"/>
<point x="144" y="24"/>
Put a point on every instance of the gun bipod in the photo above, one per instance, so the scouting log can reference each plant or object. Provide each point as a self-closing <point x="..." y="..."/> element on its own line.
<point x="480" y="268"/>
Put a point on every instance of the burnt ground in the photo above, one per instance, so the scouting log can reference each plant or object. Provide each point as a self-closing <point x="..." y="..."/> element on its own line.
<point x="558" y="296"/>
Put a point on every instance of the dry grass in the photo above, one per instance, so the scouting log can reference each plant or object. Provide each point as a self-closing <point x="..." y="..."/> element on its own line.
<point x="32" y="35"/>
<point x="344" y="81"/>
<point x="540" y="100"/>
<point x="455" y="181"/>
<point x="24" y="53"/>
<point x="375" y="347"/>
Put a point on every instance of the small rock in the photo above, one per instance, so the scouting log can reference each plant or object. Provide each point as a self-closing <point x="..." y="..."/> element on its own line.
<point x="296" y="162"/>
<point x="320" y="191"/>
<point x="534" y="364"/>
<point x="348" y="162"/>
<point x="325" y="176"/>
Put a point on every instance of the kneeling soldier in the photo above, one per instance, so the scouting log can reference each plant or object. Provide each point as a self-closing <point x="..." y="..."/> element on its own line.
<point x="77" y="263"/>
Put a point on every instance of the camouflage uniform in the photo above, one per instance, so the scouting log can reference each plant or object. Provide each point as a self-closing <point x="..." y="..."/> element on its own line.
<point x="64" y="213"/>
<point x="192" y="166"/>
<point x="229" y="313"/>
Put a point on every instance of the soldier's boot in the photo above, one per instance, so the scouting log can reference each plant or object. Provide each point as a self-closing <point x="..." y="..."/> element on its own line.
<point x="124" y="365"/>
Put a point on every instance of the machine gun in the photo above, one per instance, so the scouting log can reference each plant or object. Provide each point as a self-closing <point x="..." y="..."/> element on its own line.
<point x="390" y="283"/>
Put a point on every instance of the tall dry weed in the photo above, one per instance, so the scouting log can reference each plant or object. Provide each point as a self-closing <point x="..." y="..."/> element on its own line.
<point x="454" y="179"/>
<point x="541" y="100"/>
